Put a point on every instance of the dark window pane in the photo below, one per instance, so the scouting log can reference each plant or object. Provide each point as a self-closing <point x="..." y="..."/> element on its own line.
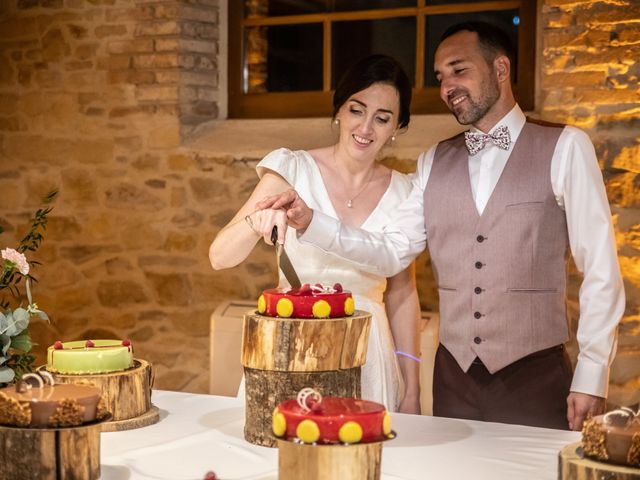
<point x="507" y="20"/>
<point x="294" y="7"/>
<point x="393" y="36"/>
<point x="351" y="5"/>
<point x="284" y="58"/>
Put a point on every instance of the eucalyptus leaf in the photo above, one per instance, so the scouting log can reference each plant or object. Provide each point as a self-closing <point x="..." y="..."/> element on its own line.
<point x="22" y="342"/>
<point x="6" y="375"/>
<point x="42" y="315"/>
<point x="5" y="342"/>
<point x="3" y="359"/>
<point x="21" y="320"/>
<point x="4" y="322"/>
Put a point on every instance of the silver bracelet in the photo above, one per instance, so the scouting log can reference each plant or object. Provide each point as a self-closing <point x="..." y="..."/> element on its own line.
<point x="250" y="223"/>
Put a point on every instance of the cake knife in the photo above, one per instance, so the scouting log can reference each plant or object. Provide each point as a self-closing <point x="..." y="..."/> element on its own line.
<point x="284" y="262"/>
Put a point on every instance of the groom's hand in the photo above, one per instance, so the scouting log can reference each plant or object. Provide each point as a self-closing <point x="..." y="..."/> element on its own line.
<point x="299" y="215"/>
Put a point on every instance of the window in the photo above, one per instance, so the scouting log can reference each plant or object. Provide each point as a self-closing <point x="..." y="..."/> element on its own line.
<point x="285" y="56"/>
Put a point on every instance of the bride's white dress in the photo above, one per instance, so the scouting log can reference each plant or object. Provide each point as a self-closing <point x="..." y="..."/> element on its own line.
<point x="381" y="378"/>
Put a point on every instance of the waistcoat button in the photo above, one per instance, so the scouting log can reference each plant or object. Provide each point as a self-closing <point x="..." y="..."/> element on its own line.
<point x="477" y="340"/>
<point x="480" y="238"/>
<point x="478" y="265"/>
<point x="477" y="290"/>
<point x="477" y="314"/>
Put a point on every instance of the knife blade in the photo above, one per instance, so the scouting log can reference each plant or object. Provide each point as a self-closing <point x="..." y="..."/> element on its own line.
<point x="284" y="263"/>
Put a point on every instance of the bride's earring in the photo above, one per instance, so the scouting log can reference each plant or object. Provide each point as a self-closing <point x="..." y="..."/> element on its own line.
<point x="336" y="121"/>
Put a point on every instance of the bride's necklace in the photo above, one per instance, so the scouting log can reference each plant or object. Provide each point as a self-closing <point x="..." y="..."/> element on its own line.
<point x="362" y="189"/>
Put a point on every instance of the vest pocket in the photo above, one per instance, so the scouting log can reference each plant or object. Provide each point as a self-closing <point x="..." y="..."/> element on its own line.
<point x="448" y="289"/>
<point x="532" y="290"/>
<point x="525" y="205"/>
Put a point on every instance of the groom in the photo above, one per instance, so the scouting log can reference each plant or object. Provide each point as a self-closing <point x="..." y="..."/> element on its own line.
<point x="499" y="206"/>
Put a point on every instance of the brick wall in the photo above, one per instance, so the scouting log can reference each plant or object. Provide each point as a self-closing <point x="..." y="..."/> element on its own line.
<point x="98" y="98"/>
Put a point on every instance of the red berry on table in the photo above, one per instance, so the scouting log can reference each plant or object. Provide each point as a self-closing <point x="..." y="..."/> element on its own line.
<point x="210" y="476"/>
<point x="58" y="345"/>
<point x="126" y="343"/>
<point x="89" y="344"/>
<point x="337" y="287"/>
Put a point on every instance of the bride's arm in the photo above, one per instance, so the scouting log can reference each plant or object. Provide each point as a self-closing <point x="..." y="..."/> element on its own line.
<point x="403" y="310"/>
<point x="236" y="240"/>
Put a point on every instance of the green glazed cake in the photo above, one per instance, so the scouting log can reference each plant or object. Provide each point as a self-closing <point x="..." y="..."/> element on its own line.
<point x="89" y="356"/>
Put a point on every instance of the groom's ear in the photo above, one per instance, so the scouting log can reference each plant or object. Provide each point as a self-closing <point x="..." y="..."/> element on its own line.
<point x="502" y="67"/>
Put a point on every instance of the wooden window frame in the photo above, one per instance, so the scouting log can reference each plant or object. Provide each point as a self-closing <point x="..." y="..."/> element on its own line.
<point x="318" y="103"/>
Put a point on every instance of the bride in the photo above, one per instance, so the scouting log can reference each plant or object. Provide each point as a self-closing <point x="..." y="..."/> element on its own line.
<point x="371" y="104"/>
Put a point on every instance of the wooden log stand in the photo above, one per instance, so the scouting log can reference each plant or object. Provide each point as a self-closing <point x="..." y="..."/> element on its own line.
<point x="572" y="466"/>
<point x="281" y="356"/>
<point x="127" y="395"/>
<point x="321" y="462"/>
<point x="70" y="453"/>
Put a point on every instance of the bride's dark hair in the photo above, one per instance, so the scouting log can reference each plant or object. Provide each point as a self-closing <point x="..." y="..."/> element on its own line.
<point x="375" y="69"/>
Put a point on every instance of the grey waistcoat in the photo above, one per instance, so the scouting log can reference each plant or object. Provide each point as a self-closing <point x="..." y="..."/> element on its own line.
<point x="500" y="275"/>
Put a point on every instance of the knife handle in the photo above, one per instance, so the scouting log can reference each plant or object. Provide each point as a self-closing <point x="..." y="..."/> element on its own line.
<point x="274" y="235"/>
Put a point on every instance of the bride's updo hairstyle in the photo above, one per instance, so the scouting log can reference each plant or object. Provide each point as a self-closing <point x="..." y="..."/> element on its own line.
<point x="375" y="69"/>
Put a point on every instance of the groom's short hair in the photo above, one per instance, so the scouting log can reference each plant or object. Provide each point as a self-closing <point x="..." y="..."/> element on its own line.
<point x="492" y="39"/>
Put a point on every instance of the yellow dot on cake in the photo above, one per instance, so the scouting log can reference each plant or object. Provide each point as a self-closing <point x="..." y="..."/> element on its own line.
<point x="262" y="304"/>
<point x="278" y="423"/>
<point x="350" y="432"/>
<point x="349" y="306"/>
<point x="321" y="309"/>
<point x="284" y="307"/>
<point x="308" y="431"/>
<point x="386" y="424"/>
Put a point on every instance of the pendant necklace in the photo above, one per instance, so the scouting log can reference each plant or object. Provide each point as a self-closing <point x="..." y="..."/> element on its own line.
<point x="364" y="187"/>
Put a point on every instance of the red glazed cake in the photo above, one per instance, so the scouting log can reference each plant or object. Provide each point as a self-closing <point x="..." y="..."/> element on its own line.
<point x="60" y="405"/>
<point x="613" y="437"/>
<point x="308" y="301"/>
<point x="331" y="420"/>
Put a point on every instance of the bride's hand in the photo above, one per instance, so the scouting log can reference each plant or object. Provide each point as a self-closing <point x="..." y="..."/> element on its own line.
<point x="298" y="212"/>
<point x="263" y="222"/>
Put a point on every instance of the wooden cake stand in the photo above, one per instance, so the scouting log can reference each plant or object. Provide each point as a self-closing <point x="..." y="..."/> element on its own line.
<point x="281" y="356"/>
<point x="65" y="453"/>
<point x="127" y="395"/>
<point x="573" y="466"/>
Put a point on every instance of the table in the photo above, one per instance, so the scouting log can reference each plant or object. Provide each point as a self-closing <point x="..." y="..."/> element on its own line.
<point x="198" y="433"/>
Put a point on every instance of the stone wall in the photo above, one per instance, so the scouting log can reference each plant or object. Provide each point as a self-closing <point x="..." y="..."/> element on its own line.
<point x="590" y="70"/>
<point x="99" y="99"/>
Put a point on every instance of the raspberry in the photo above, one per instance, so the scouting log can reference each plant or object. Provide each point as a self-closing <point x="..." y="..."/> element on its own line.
<point x="126" y="343"/>
<point x="89" y="344"/>
<point x="210" y="476"/>
<point x="305" y="289"/>
<point x="313" y="404"/>
<point x="337" y="287"/>
<point x="58" y="345"/>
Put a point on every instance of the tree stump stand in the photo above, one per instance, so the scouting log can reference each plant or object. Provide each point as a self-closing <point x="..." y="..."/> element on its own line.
<point x="69" y="453"/>
<point x="572" y="466"/>
<point x="281" y="356"/>
<point x="360" y="461"/>
<point x="127" y="395"/>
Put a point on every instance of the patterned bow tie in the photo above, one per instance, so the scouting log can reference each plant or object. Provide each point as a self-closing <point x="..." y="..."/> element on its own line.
<point x="477" y="141"/>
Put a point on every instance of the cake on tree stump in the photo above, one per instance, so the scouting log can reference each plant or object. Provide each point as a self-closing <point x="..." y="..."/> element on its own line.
<point x="330" y="437"/>
<point x="308" y="301"/>
<point x="109" y="365"/>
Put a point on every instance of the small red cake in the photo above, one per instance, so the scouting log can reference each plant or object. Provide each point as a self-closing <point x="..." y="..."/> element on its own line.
<point x="308" y="301"/>
<point x="331" y="420"/>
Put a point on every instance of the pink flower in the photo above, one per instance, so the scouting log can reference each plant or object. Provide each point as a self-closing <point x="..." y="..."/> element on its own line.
<point x="17" y="259"/>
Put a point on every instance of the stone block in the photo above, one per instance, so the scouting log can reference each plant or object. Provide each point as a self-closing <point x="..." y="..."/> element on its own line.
<point x="104" y="31"/>
<point x="173" y="76"/>
<point x="199" y="14"/>
<point x="139" y="235"/>
<point x="118" y="266"/>
<point x="603" y="13"/>
<point x="187" y="219"/>
<point x="205" y="190"/>
<point x="63" y="227"/>
<point x="125" y="15"/>
<point x="135" y="45"/>
<point x="128" y="197"/>
<point x="157" y="28"/>
<point x="175" y="379"/>
<point x="180" y="241"/>
<point x="119" y="293"/>
<point x="115" y="62"/>
<point x="574" y="79"/>
<point x="54" y="46"/>
<point x="82" y="253"/>
<point x="171" y="289"/>
<point x="178" y="197"/>
<point x="156" y="93"/>
<point x="192" y="323"/>
<point x="156" y="60"/>
<point x="166" y="262"/>
<point x="11" y="124"/>
<point x="146" y="162"/>
<point x="19" y="27"/>
<point x="74" y="298"/>
<point x="79" y="187"/>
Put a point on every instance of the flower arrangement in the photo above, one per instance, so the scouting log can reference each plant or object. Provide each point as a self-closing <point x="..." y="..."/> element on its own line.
<point x="15" y="342"/>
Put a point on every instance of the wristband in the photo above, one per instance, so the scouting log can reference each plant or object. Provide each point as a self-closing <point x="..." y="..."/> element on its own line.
<point x="408" y="355"/>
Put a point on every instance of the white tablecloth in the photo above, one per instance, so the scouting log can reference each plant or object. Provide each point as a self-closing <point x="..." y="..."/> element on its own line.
<point x="198" y="433"/>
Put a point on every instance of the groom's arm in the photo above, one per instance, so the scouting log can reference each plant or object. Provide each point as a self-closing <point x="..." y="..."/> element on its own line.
<point x="385" y="253"/>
